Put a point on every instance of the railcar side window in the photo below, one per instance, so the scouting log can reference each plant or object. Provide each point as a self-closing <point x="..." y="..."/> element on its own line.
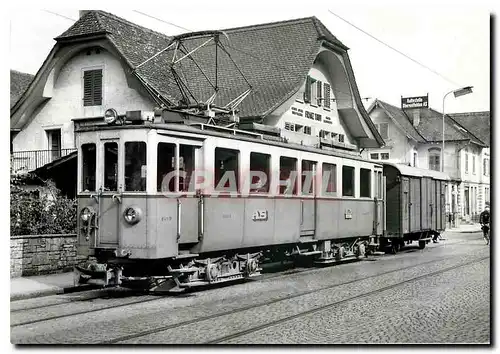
<point x="348" y="181"/>
<point x="365" y="183"/>
<point x="135" y="166"/>
<point x="165" y="178"/>
<point x="308" y="175"/>
<point x="259" y="172"/>
<point x="110" y="166"/>
<point x="288" y="175"/>
<point x="186" y="166"/>
<point x="329" y="178"/>
<point x="380" y="185"/>
<point x="88" y="167"/>
<point x="226" y="170"/>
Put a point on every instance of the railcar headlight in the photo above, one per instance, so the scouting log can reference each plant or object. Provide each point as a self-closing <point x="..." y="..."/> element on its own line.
<point x="132" y="215"/>
<point x="110" y="116"/>
<point x="86" y="213"/>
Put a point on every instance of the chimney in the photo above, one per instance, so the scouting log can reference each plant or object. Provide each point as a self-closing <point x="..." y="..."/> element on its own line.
<point x="416" y="117"/>
<point x="83" y="12"/>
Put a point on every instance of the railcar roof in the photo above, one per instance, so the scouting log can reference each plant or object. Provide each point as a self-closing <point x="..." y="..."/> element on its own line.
<point x="406" y="170"/>
<point x="180" y="128"/>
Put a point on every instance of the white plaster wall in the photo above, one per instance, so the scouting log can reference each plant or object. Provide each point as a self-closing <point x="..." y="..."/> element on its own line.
<point x="67" y="101"/>
<point x="317" y="72"/>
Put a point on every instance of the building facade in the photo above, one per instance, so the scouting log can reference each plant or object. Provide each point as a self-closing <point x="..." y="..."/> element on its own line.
<point x="414" y="137"/>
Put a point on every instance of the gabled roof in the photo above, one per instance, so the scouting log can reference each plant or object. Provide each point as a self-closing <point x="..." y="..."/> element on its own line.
<point x="400" y="117"/>
<point x="19" y="82"/>
<point x="430" y="127"/>
<point x="274" y="57"/>
<point x="478" y="123"/>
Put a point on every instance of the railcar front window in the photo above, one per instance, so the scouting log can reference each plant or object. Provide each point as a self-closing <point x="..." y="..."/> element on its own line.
<point x="329" y="179"/>
<point x="110" y="166"/>
<point x="226" y="170"/>
<point x="348" y="181"/>
<point x="365" y="183"/>
<point x="259" y="172"/>
<point x="88" y="167"/>
<point x="186" y="166"/>
<point x="165" y="178"/>
<point x="308" y="176"/>
<point x="135" y="166"/>
<point x="288" y="175"/>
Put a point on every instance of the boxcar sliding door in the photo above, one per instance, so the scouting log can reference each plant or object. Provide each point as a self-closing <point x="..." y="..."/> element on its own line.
<point x="405" y="202"/>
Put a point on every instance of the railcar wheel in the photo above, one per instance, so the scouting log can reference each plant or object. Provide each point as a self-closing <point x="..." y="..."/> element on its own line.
<point x="421" y="244"/>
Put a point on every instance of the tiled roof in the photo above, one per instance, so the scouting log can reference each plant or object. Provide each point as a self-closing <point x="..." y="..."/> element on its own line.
<point x="275" y="58"/>
<point x="478" y="123"/>
<point x="402" y="119"/>
<point x="430" y="127"/>
<point x="19" y="82"/>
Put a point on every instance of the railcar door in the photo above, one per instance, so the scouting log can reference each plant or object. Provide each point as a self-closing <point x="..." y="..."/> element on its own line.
<point x="108" y="207"/>
<point x="308" y="201"/>
<point x="415" y="224"/>
<point x="405" y="201"/>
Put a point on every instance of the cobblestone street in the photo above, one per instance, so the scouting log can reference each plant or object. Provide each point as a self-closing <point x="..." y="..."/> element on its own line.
<point x="437" y="295"/>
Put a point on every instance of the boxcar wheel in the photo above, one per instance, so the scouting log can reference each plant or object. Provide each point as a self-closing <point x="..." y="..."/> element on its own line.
<point x="421" y="244"/>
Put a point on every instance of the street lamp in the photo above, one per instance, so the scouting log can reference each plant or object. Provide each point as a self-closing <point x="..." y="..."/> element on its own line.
<point x="460" y="92"/>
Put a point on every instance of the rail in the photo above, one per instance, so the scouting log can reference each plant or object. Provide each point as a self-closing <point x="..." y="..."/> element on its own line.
<point x="27" y="161"/>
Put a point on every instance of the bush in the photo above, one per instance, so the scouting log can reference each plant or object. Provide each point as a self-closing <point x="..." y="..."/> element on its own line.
<point x="41" y="210"/>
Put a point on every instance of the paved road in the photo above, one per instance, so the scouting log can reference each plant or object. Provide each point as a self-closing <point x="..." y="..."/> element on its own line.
<point x="437" y="295"/>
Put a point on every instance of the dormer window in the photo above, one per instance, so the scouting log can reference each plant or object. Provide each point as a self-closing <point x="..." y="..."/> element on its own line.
<point x="92" y="87"/>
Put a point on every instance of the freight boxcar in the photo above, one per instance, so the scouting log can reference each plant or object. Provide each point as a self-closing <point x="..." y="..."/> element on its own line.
<point x="415" y="205"/>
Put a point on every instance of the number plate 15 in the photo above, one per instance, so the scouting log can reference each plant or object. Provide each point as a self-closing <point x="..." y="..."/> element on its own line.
<point x="259" y="215"/>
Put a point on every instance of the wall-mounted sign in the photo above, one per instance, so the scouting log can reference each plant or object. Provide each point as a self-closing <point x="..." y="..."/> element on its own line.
<point x="414" y="102"/>
<point x="348" y="214"/>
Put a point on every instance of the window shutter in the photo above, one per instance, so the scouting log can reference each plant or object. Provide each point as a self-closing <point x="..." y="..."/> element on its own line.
<point x="327" y="95"/>
<point x="307" y="92"/>
<point x="92" y="88"/>
<point x="319" y="96"/>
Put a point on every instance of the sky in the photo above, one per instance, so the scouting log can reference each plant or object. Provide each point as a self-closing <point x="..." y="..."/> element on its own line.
<point x="451" y="38"/>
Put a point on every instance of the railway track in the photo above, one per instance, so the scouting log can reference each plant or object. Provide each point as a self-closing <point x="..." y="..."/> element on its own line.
<point x="304" y="293"/>
<point x="265" y="276"/>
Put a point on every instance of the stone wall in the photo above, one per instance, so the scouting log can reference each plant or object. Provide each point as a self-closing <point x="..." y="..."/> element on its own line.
<point x="43" y="254"/>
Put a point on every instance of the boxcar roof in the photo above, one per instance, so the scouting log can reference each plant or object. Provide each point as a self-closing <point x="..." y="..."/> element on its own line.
<point x="406" y="170"/>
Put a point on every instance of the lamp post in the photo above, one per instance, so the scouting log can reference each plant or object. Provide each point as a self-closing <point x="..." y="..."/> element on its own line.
<point x="460" y="92"/>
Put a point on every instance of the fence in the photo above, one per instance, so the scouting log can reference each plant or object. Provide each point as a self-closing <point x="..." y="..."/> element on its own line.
<point x="27" y="161"/>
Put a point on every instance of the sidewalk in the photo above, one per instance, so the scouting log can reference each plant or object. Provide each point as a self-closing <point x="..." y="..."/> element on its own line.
<point x="40" y="285"/>
<point x="465" y="228"/>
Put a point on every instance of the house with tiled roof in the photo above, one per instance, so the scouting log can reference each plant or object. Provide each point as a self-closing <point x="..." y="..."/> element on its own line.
<point x="301" y="79"/>
<point x="19" y="82"/>
<point x="414" y="137"/>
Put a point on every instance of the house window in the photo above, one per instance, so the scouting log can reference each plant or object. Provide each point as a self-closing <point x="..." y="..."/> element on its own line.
<point x="384" y="156"/>
<point x="110" y="166"/>
<point x="226" y="169"/>
<point x="466" y="161"/>
<point x="414" y="159"/>
<point x="365" y="183"/>
<point x="307" y="130"/>
<point x="374" y="156"/>
<point x="88" y="167"/>
<point x="348" y="181"/>
<point x="260" y="172"/>
<point x="486" y="167"/>
<point x="474" y="164"/>
<point x="435" y="159"/>
<point x="326" y="89"/>
<point x="486" y="195"/>
<point x="54" y="138"/>
<point x="329" y="178"/>
<point x="135" y="166"/>
<point x="383" y="129"/>
<point x="289" y="126"/>
<point x="92" y="88"/>
<point x="341" y="138"/>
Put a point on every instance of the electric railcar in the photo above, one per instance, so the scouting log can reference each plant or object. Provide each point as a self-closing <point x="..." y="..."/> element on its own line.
<point x="172" y="206"/>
